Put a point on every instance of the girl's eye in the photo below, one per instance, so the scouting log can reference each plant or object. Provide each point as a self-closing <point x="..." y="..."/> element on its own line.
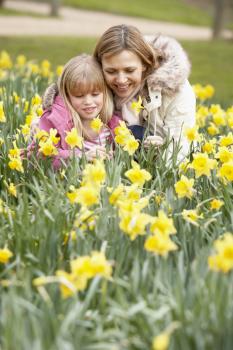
<point x="109" y="72"/>
<point x="95" y="93"/>
<point x="131" y="70"/>
<point x="79" y="96"/>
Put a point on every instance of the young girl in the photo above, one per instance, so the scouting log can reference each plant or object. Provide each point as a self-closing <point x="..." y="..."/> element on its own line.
<point x="83" y="95"/>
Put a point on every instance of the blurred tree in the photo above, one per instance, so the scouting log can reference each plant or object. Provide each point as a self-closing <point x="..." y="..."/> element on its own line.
<point x="220" y="9"/>
<point x="55" y="5"/>
<point x="1" y="2"/>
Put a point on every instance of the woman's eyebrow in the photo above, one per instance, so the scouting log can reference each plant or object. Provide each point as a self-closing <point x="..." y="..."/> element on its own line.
<point x="113" y="68"/>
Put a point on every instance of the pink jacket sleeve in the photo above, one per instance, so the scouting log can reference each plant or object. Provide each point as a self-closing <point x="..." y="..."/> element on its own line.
<point x="59" y="119"/>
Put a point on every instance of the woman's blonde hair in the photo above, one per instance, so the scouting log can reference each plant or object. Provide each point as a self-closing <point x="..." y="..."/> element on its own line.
<point x="84" y="74"/>
<point x="124" y="37"/>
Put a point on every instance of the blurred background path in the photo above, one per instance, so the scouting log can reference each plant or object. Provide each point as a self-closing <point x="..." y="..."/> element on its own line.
<point x="75" y="22"/>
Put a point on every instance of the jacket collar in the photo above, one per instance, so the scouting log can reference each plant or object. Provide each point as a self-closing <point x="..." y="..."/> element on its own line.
<point x="174" y="68"/>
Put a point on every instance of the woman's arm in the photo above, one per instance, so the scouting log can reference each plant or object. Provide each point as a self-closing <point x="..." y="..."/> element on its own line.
<point x="178" y="115"/>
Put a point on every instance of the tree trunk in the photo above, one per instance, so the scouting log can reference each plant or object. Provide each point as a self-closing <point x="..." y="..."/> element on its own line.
<point x="55" y="4"/>
<point x="1" y="2"/>
<point x="219" y="6"/>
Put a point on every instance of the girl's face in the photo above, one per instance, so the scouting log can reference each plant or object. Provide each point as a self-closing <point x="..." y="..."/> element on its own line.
<point x="123" y="72"/>
<point x="88" y="105"/>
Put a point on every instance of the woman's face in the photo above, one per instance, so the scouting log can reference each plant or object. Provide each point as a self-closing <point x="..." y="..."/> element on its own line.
<point x="123" y="72"/>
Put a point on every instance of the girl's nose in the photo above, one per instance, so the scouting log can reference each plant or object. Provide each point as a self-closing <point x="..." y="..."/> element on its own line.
<point x="88" y="99"/>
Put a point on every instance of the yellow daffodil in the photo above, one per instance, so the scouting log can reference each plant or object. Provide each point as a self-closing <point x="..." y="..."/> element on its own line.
<point x="201" y="116"/>
<point x="209" y="146"/>
<point x="47" y="148"/>
<point x="137" y="105"/>
<point x="202" y="164"/>
<point x="212" y="129"/>
<point x="117" y="194"/>
<point x="59" y="70"/>
<point x="36" y="100"/>
<point x="161" y="341"/>
<point x="133" y="223"/>
<point x="203" y="92"/>
<point x="96" y="124"/>
<point x="125" y="138"/>
<point x="159" y="244"/>
<point x="70" y="283"/>
<point x="5" y="60"/>
<point x="223" y="259"/>
<point x="219" y="118"/>
<point x="226" y="171"/>
<point x="137" y="175"/>
<point x="224" y="154"/>
<point x="2" y="114"/>
<point x="53" y="136"/>
<point x="82" y="269"/>
<point x="216" y="204"/>
<point x="184" y="187"/>
<point x="226" y="140"/>
<point x="87" y="195"/>
<point x="11" y="189"/>
<point x="162" y="224"/>
<point x="73" y="139"/>
<point x="131" y="145"/>
<point x="15" y="163"/>
<point x="14" y="152"/>
<point x="21" y="60"/>
<point x="5" y="255"/>
<point x="191" y="216"/>
<point x="192" y="134"/>
<point x="94" y="173"/>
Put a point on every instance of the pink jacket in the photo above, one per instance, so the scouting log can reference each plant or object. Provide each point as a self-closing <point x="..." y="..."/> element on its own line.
<point x="58" y="118"/>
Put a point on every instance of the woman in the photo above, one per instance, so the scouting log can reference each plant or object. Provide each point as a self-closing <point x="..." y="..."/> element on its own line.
<point x="157" y="71"/>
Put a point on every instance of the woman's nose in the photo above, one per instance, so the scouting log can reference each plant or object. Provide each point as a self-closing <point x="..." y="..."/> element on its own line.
<point x="121" y="78"/>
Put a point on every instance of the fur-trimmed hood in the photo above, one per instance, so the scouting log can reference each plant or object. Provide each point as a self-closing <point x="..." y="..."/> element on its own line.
<point x="174" y="68"/>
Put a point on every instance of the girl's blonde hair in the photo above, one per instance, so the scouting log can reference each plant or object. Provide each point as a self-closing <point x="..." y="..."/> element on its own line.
<point x="84" y="74"/>
<point x="124" y="37"/>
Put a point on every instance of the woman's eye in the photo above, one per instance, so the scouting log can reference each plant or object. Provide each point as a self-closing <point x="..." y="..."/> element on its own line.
<point x="110" y="72"/>
<point x="95" y="93"/>
<point x="130" y="70"/>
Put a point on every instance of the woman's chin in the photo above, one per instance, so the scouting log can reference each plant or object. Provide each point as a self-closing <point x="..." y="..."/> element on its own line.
<point x="123" y="93"/>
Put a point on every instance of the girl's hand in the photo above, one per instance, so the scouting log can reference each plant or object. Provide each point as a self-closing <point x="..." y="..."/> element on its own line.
<point x="154" y="140"/>
<point x="99" y="152"/>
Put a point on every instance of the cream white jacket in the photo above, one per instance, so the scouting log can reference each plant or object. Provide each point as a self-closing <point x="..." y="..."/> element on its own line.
<point x="169" y="115"/>
<point x="171" y="106"/>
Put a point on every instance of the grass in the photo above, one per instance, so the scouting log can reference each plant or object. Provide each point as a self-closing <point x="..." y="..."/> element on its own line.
<point x="164" y="10"/>
<point x="10" y="12"/>
<point x="207" y="58"/>
<point x="212" y="63"/>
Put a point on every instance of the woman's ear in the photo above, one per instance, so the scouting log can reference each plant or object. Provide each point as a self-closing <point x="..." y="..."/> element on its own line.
<point x="144" y="68"/>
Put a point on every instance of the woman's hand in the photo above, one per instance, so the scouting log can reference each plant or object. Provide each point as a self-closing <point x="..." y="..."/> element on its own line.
<point x="154" y="140"/>
<point x="99" y="152"/>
